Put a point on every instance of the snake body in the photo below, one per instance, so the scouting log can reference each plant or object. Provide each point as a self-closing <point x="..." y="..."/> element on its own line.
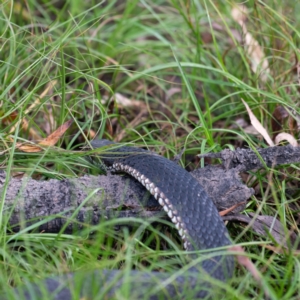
<point x="190" y="209"/>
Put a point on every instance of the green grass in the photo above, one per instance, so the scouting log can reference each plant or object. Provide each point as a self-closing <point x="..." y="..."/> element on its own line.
<point x="183" y="62"/>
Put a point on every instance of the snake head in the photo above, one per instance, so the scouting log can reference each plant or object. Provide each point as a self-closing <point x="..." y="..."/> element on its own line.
<point x="105" y="158"/>
<point x="111" y="152"/>
<point x="101" y="143"/>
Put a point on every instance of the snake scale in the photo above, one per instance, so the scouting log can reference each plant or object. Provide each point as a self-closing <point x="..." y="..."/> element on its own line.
<point x="193" y="214"/>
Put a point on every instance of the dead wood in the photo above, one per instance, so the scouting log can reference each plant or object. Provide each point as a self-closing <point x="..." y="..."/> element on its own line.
<point x="246" y="159"/>
<point x="265" y="225"/>
<point x="28" y="201"/>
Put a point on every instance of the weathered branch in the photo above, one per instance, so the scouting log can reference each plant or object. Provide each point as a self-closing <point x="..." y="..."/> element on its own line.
<point x="28" y="201"/>
<point x="246" y="159"/>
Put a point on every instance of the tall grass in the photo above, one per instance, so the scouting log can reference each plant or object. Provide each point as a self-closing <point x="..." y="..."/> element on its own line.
<point x="185" y="64"/>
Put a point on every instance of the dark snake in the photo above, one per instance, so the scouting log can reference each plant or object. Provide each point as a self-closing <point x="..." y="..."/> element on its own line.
<point x="193" y="214"/>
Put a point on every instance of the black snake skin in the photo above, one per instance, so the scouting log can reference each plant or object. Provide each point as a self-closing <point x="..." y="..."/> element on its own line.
<point x="189" y="208"/>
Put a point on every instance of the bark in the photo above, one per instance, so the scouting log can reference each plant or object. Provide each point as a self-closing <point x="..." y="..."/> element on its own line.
<point x="246" y="159"/>
<point x="86" y="200"/>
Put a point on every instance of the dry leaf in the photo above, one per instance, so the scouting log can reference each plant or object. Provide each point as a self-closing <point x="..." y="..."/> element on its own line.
<point x="28" y="148"/>
<point x="124" y="101"/>
<point x="287" y="137"/>
<point x="52" y="139"/>
<point x="256" y="124"/>
<point x="254" y="50"/>
<point x="245" y="261"/>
